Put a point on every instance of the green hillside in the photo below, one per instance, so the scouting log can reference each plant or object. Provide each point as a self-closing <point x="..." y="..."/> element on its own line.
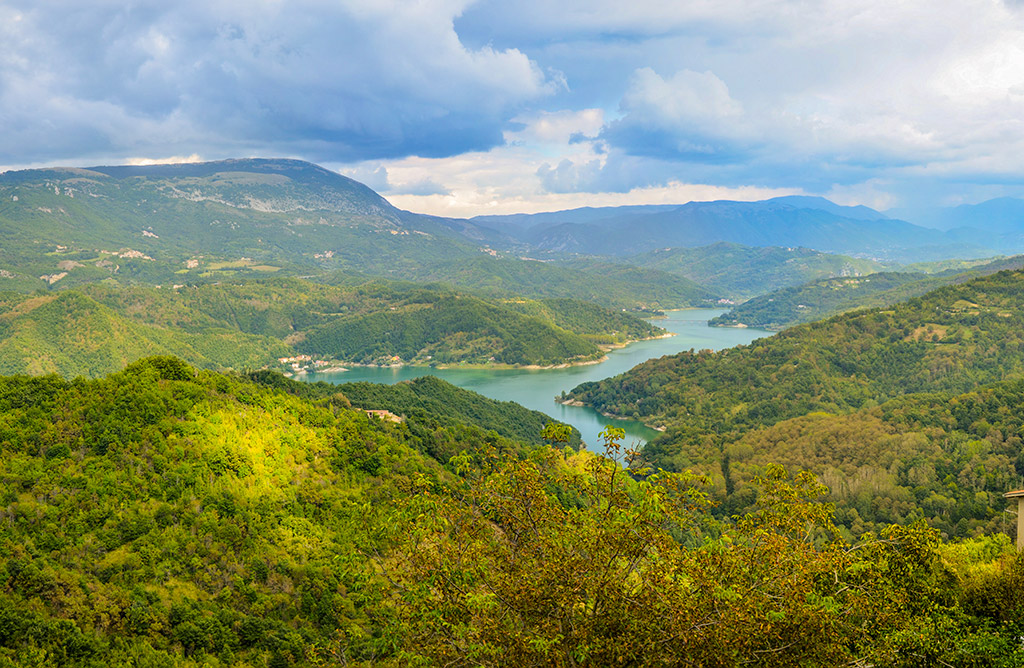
<point x="167" y="517"/>
<point x="820" y="299"/>
<point x="208" y="222"/>
<point x="98" y="329"/>
<point x="431" y="402"/>
<point x="161" y="513"/>
<point x="592" y="322"/>
<point x="609" y="284"/>
<point x="952" y="339"/>
<point x="741" y="272"/>
<point x="72" y="334"/>
<point x="445" y="330"/>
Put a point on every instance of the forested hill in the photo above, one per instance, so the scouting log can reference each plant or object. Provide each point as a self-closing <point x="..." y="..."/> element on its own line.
<point x="944" y="457"/>
<point x="826" y="297"/>
<point x="741" y="272"/>
<point x="250" y="324"/>
<point x="163" y="513"/>
<point x="952" y="339"/>
<point x="428" y="402"/>
<point x="164" y="516"/>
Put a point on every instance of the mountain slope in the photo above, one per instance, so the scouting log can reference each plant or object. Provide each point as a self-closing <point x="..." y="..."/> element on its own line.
<point x="952" y="339"/>
<point x="169" y="222"/>
<point x="251" y="324"/>
<point x="824" y="298"/>
<point x="788" y="222"/>
<point x="741" y="272"/>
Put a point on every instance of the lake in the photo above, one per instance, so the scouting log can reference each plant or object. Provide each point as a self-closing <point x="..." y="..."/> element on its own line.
<point x="537" y="388"/>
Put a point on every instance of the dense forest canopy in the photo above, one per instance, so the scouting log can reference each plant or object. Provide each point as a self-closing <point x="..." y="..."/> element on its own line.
<point x="826" y="297"/>
<point x="905" y="413"/>
<point x="167" y="516"/>
<point x="98" y="329"/>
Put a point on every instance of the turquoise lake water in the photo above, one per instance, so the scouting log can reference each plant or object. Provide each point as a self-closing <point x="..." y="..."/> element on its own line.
<point x="537" y="388"/>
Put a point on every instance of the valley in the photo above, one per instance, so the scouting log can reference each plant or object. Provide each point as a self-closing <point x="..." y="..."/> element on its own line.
<point x="189" y="479"/>
<point x="484" y="334"/>
<point x="537" y="389"/>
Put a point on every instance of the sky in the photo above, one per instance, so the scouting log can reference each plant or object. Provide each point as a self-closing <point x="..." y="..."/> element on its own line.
<point x="461" y="108"/>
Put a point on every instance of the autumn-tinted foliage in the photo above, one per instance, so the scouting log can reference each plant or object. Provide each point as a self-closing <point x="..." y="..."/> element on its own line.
<point x="564" y="560"/>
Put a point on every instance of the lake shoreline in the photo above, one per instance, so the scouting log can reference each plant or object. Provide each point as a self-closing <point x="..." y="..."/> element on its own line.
<point x="497" y="366"/>
<point x="579" y="404"/>
<point x="540" y="389"/>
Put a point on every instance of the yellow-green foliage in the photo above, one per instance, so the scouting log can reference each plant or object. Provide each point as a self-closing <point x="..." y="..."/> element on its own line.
<point x="564" y="560"/>
<point x="186" y="513"/>
<point x="72" y="334"/>
<point x="165" y="516"/>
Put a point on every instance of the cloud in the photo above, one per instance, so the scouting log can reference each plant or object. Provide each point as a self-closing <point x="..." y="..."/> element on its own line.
<point x="688" y="97"/>
<point x="326" y="80"/>
<point x="532" y="100"/>
<point x="569" y="177"/>
<point x="423" y="188"/>
<point x="780" y="93"/>
<point x="476" y="202"/>
<point x="689" y="116"/>
<point x="373" y="175"/>
<point x="556" y="127"/>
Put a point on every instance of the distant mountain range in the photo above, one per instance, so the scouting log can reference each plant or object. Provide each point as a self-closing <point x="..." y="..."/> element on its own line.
<point x="809" y="222"/>
<point x="1000" y="215"/>
<point x="189" y="223"/>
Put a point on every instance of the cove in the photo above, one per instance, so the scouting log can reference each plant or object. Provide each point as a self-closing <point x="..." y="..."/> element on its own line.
<point x="537" y="388"/>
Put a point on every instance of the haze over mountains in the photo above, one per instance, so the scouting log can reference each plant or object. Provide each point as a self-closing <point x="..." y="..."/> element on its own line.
<point x="810" y="222"/>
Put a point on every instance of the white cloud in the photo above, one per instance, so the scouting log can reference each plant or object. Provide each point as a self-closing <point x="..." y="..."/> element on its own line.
<point x="372" y="174"/>
<point x="687" y="98"/>
<point x="873" y="193"/>
<point x="556" y="127"/>
<point x="174" y="159"/>
<point x="531" y="100"/>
